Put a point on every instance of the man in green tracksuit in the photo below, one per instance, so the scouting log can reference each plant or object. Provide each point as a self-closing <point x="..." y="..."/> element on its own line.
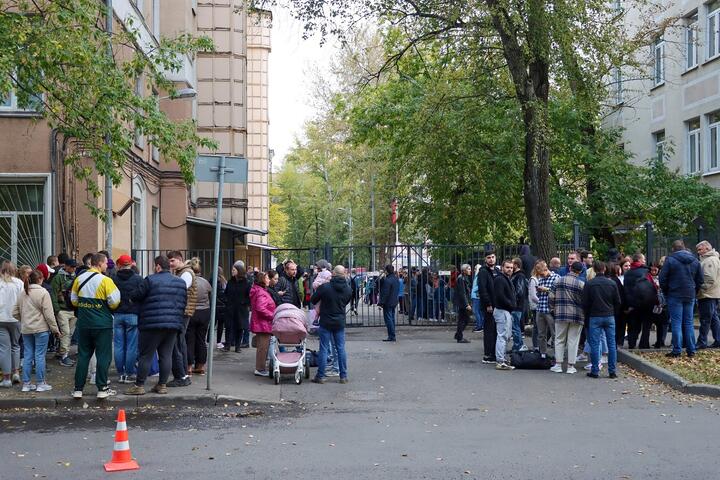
<point x="95" y="296"/>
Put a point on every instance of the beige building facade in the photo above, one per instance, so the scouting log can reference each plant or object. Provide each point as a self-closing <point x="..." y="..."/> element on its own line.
<point x="671" y="108"/>
<point x="42" y="207"/>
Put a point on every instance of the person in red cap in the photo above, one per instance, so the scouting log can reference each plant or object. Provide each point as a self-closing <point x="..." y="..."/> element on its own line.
<point x="125" y="323"/>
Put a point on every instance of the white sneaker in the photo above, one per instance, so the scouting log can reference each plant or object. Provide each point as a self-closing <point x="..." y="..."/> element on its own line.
<point x="332" y="373"/>
<point x="571" y="370"/>
<point x="219" y="345"/>
<point x="43" y="387"/>
<point x="556" y="368"/>
<point x="28" y="387"/>
<point x="6" y="383"/>
<point x="16" y="378"/>
<point x="582" y="358"/>
<point x="262" y="373"/>
<point x="524" y="348"/>
<point x="108" y="392"/>
<point x="77" y="394"/>
<point x="588" y="367"/>
<point x="504" y="366"/>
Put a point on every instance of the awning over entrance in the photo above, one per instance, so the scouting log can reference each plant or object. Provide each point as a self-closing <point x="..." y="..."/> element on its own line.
<point x="225" y="226"/>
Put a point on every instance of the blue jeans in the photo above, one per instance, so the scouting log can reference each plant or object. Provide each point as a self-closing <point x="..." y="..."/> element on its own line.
<point x="125" y="342"/>
<point x="35" y="349"/>
<point x="602" y="327"/>
<point x="681" y="322"/>
<point x="709" y="321"/>
<point x="517" y="331"/>
<point x="325" y="338"/>
<point x="389" y="317"/>
<point x="477" y="311"/>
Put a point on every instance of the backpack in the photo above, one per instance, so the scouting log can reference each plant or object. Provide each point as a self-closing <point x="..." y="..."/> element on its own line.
<point x="644" y="293"/>
<point x="531" y="360"/>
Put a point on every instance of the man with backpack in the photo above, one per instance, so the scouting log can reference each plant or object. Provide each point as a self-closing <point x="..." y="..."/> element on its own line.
<point x="641" y="297"/>
<point x="60" y="286"/>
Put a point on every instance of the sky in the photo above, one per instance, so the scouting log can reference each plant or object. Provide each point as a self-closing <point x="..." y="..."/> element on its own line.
<point x="292" y="60"/>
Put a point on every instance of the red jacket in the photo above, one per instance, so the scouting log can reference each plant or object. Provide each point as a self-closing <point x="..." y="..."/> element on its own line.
<point x="263" y="310"/>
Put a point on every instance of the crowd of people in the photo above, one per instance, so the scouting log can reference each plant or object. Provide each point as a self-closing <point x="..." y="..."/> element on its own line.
<point x="152" y="326"/>
<point x="158" y="325"/>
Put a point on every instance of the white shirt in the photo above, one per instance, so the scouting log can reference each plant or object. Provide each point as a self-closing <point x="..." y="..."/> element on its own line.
<point x="187" y="277"/>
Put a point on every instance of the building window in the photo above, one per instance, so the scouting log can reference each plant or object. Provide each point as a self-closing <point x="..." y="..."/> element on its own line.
<point x="139" y="91"/>
<point x="618" y="86"/>
<point x="712" y="162"/>
<point x="139" y="223"/>
<point x="659" y="61"/>
<point x="691" y="53"/>
<point x="713" y="24"/>
<point x="10" y="102"/>
<point x="659" y="139"/>
<point x="693" y="146"/>
<point x="155" y="228"/>
<point x="22" y="223"/>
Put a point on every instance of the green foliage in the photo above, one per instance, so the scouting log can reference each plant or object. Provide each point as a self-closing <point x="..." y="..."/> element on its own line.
<point x="56" y="51"/>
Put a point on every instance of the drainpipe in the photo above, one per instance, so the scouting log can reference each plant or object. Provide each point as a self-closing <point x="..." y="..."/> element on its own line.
<point x="108" y="180"/>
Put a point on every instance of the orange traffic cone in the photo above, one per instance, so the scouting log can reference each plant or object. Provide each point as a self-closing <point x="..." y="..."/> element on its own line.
<point x="121" y="457"/>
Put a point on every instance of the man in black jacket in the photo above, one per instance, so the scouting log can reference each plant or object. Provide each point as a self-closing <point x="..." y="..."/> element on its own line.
<point x="125" y="320"/>
<point x="504" y="302"/>
<point x="640" y="303"/>
<point x="287" y="285"/>
<point x="389" y="290"/>
<point x="163" y="298"/>
<point x="333" y="297"/>
<point x="520" y="284"/>
<point x="485" y="280"/>
<point x="462" y="301"/>
<point x="601" y="302"/>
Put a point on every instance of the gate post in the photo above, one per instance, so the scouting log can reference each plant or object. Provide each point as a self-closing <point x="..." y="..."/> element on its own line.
<point x="649" y="240"/>
<point x="576" y="235"/>
<point x="328" y="253"/>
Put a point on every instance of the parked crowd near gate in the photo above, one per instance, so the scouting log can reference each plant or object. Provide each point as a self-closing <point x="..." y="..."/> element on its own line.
<point x="158" y="325"/>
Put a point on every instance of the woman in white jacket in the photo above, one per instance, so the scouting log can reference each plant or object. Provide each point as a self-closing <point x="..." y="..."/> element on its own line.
<point x="35" y="312"/>
<point x="10" y="288"/>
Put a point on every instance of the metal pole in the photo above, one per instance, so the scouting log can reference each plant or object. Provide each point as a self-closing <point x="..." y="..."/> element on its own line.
<point x="649" y="241"/>
<point x="216" y="262"/>
<point x="576" y="235"/>
<point x="372" y="220"/>
<point x="350" y="228"/>
<point x="108" y="180"/>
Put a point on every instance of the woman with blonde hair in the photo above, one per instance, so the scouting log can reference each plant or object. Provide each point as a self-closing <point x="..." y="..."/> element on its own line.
<point x="35" y="312"/>
<point x="10" y="289"/>
<point x="196" y="334"/>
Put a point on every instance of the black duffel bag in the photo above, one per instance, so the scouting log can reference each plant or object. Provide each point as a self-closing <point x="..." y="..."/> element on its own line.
<point x="531" y="360"/>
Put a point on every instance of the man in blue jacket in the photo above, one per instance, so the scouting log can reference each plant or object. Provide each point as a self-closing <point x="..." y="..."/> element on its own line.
<point x="163" y="297"/>
<point x="680" y="280"/>
<point x="389" y="290"/>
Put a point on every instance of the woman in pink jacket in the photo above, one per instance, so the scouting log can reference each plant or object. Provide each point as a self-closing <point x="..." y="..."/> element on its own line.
<point x="263" y="310"/>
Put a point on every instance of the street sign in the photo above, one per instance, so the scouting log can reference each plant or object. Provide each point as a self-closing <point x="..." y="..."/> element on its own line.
<point x="207" y="167"/>
<point x="220" y="169"/>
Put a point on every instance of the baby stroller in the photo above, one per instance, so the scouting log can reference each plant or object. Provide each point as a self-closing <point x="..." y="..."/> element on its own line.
<point x="287" y="349"/>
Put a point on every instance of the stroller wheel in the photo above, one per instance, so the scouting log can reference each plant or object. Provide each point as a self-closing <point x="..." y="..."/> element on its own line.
<point x="306" y="369"/>
<point x="298" y="377"/>
<point x="276" y="377"/>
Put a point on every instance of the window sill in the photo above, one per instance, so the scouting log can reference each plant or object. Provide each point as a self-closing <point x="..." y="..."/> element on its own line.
<point x="655" y="87"/>
<point x="691" y="69"/>
<point x="710" y="173"/>
<point x="711" y="59"/>
<point x="19" y="114"/>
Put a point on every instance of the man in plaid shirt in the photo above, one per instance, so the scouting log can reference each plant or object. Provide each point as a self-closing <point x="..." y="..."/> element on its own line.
<point x="566" y="300"/>
<point x="544" y="319"/>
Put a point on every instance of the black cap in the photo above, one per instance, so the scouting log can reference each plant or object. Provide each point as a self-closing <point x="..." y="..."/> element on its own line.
<point x="577" y="267"/>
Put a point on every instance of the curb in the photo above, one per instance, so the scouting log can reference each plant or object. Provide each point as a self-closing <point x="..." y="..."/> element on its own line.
<point x="666" y="376"/>
<point x="151" y="400"/>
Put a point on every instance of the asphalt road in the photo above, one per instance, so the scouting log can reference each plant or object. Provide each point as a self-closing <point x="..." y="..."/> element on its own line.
<point x="425" y="407"/>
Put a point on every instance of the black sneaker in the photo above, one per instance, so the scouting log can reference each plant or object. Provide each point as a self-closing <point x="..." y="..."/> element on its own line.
<point x="612" y="375"/>
<point x="389" y="340"/>
<point x="477" y="329"/>
<point x="318" y="380"/>
<point x="183" y="382"/>
<point x="701" y="347"/>
<point x="464" y="340"/>
<point x="67" y="362"/>
<point x="672" y="355"/>
<point x="489" y="360"/>
<point x="691" y="354"/>
<point x="593" y="375"/>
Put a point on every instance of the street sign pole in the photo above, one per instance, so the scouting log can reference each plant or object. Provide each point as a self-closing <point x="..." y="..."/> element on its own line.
<point x="216" y="261"/>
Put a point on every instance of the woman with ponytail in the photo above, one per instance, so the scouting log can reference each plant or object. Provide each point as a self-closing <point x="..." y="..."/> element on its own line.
<point x="10" y="289"/>
<point x="35" y="312"/>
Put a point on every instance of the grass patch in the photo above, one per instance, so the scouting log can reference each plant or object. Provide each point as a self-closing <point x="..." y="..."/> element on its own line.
<point x="704" y="368"/>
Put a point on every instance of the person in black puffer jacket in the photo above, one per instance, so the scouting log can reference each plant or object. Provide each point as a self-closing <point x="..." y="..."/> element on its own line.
<point x="237" y="309"/>
<point x="163" y="298"/>
<point x="125" y="320"/>
<point x="333" y="297"/>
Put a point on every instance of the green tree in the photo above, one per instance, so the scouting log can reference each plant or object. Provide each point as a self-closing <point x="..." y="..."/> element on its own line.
<point x="55" y="54"/>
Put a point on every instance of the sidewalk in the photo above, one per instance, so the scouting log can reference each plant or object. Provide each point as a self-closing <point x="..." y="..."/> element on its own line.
<point x="232" y="381"/>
